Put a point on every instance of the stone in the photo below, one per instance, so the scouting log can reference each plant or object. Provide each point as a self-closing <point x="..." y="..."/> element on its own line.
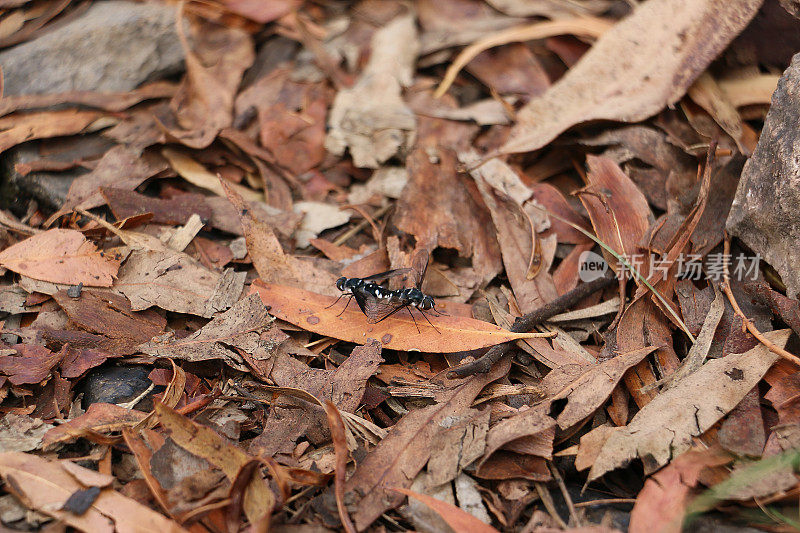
<point x="114" y="46"/>
<point x="764" y="214"/>
<point x="48" y="188"/>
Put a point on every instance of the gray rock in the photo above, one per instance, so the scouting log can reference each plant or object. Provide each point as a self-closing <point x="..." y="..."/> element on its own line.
<point x="49" y="189"/>
<point x="765" y="214"/>
<point x="114" y="46"/>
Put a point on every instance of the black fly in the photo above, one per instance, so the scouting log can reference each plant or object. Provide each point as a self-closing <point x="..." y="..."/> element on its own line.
<point x="378" y="302"/>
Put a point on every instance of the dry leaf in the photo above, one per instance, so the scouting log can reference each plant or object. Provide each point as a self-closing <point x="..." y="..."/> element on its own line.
<point x="627" y="77"/>
<point x="398" y="458"/>
<point x="371" y="118"/>
<point x="60" y="256"/>
<point x="46" y="486"/>
<point x="455" y="517"/>
<point x="16" y="129"/>
<point x="99" y="418"/>
<point x="587" y="387"/>
<point x="398" y="332"/>
<point x="239" y="328"/>
<point x="208" y="444"/>
<point x="661" y="504"/>
<point x="204" y="103"/>
<point x="666" y="425"/>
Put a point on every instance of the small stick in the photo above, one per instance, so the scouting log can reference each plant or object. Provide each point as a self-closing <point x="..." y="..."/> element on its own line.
<point x="565" y="493"/>
<point x="726" y="288"/>
<point x="526" y="323"/>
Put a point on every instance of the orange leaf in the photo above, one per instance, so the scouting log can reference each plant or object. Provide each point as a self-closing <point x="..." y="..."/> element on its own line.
<point x="60" y="256"/>
<point x="455" y="517"/>
<point x="312" y="312"/>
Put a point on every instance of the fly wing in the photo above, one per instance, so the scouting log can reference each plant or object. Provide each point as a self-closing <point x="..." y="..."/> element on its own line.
<point x="383" y="276"/>
<point x="361" y="299"/>
<point x="376" y="309"/>
<point x="419" y="264"/>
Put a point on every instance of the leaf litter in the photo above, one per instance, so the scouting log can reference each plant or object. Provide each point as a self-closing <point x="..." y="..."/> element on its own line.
<point x="174" y="356"/>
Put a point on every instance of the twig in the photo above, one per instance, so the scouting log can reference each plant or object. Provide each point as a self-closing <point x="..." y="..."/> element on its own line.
<point x="565" y="493"/>
<point x="726" y="288"/>
<point x="547" y="500"/>
<point x="526" y="323"/>
<point x="607" y="501"/>
<point x="344" y="237"/>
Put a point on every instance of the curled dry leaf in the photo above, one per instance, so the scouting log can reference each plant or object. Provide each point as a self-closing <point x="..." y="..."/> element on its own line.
<point x="635" y="69"/>
<point x="98" y="418"/>
<point x="46" y="486"/>
<point x="397" y="332"/>
<point x="61" y="256"/>
<point x="665" y="426"/>
<point x="457" y="518"/>
<point x="398" y="458"/>
<point x="371" y="118"/>
<point x="16" y="129"/>
<point x="208" y="444"/>
<point x="587" y="387"/>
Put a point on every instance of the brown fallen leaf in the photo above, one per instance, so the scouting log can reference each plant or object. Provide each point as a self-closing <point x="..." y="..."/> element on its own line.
<point x="176" y="282"/>
<point x="398" y="458"/>
<point x="61" y="256"/>
<point x="46" y="486"/>
<point x="666" y="425"/>
<point x="529" y="432"/>
<point x="104" y="101"/>
<point x="459" y="443"/>
<point x="441" y="207"/>
<point x="587" y="387"/>
<point x="208" y="444"/>
<point x="204" y="103"/>
<point x="16" y="129"/>
<point x="617" y="208"/>
<point x="176" y="210"/>
<point x="266" y="252"/>
<point x="518" y="233"/>
<point x="625" y="77"/>
<point x="237" y="329"/>
<point x="31" y="363"/>
<point x="110" y="314"/>
<point x="398" y="332"/>
<point x="291" y="418"/>
<point x="457" y="518"/>
<point x="371" y="119"/>
<point x="661" y="504"/>
<point x="98" y="418"/>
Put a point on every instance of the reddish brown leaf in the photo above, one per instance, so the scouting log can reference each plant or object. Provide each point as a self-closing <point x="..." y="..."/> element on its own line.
<point x="455" y="517"/>
<point x="176" y="210"/>
<point x="60" y="256"/>
<point x="16" y="129"/>
<point x="398" y="332"/>
<point x="31" y="363"/>
<point x="661" y="503"/>
<point x="99" y="417"/>
<point x="204" y="103"/>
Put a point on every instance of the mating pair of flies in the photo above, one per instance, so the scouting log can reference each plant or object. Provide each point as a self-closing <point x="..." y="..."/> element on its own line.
<point x="379" y="303"/>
